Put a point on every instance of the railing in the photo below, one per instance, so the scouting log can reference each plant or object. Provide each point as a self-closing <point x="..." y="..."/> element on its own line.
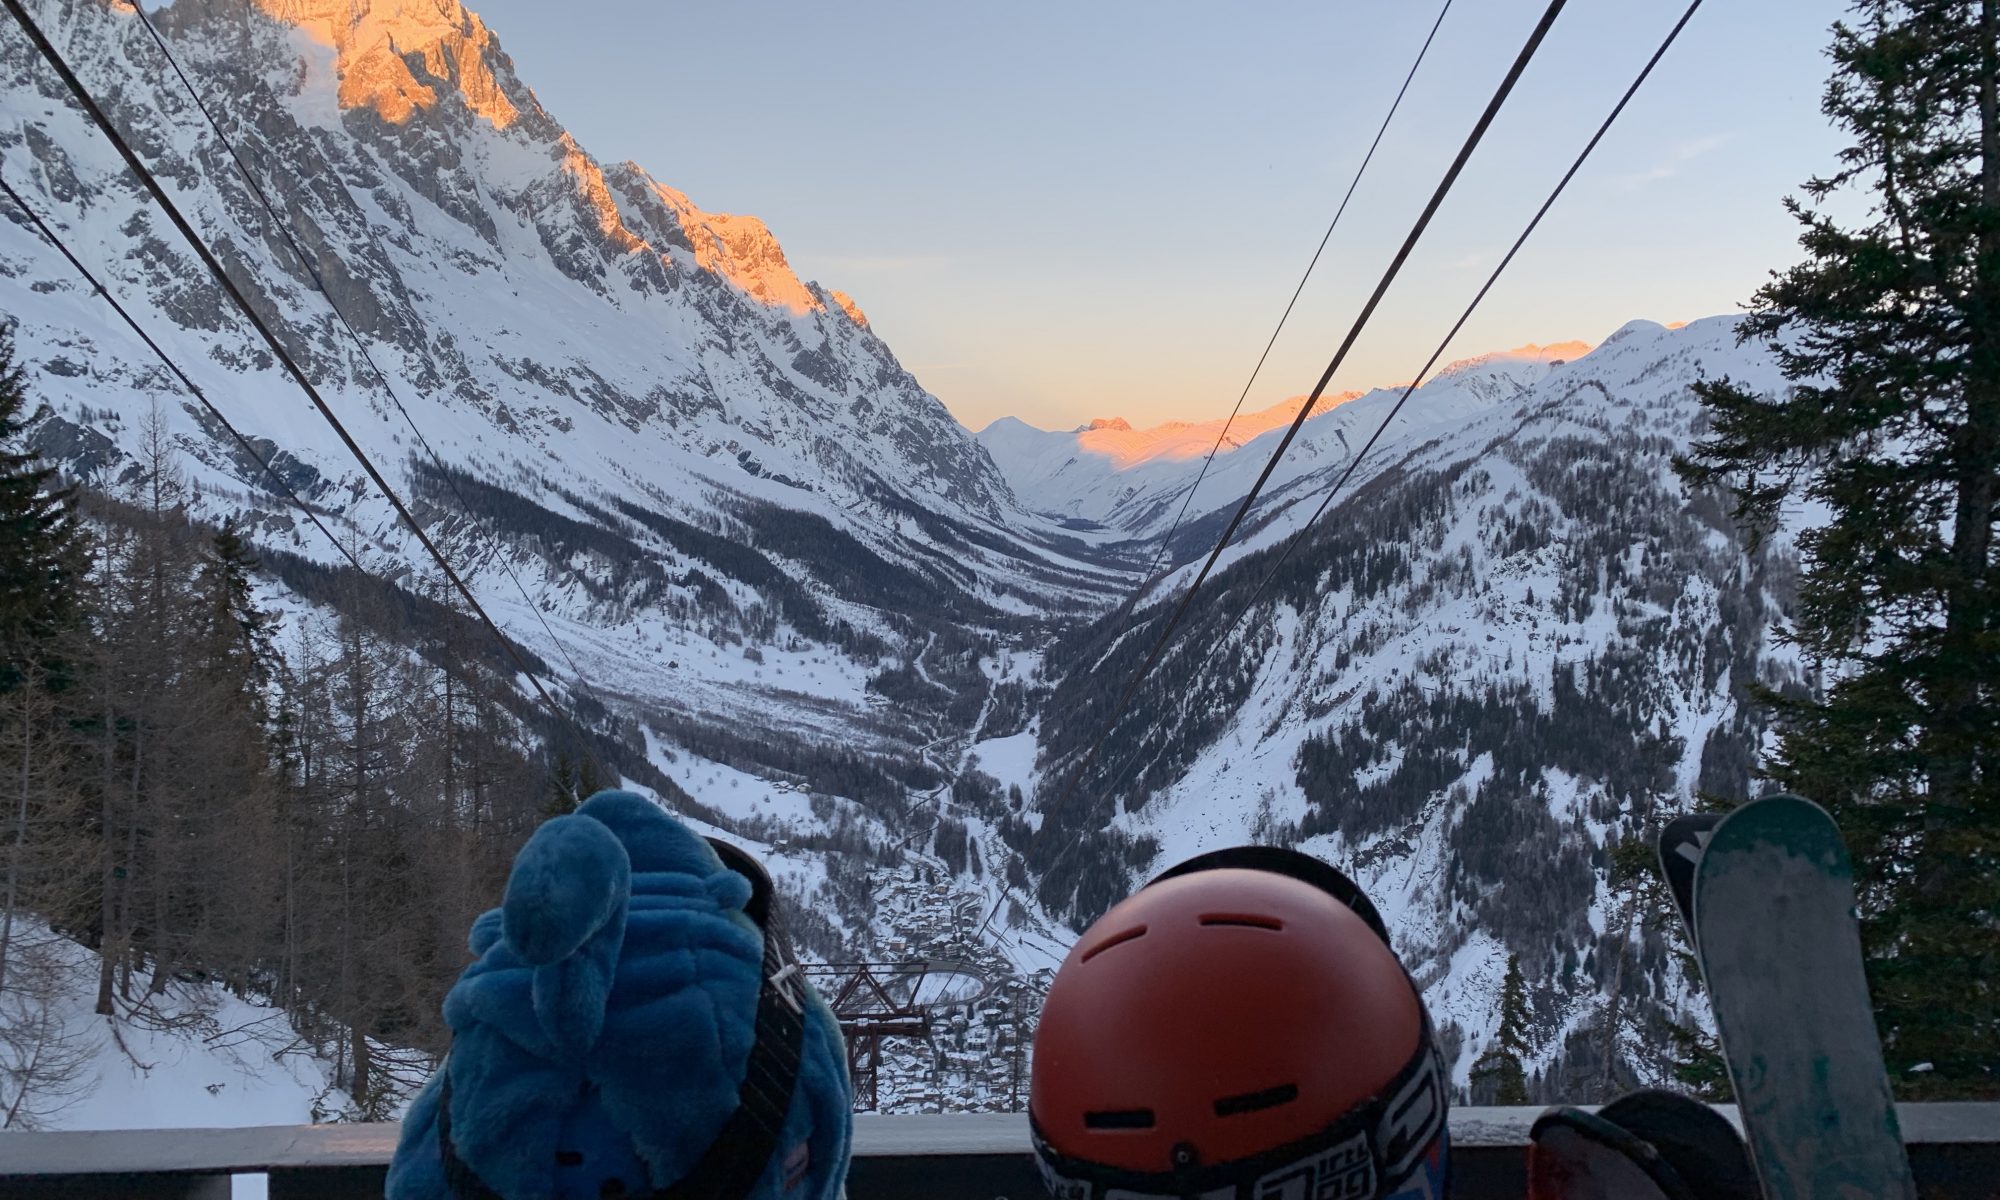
<point x="1954" y="1149"/>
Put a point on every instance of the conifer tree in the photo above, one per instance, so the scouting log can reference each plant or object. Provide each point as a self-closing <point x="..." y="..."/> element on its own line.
<point x="42" y="548"/>
<point x="228" y="758"/>
<point x="42" y="560"/>
<point x="235" y="638"/>
<point x="573" y="778"/>
<point x="1889" y="332"/>
<point x="1500" y="1067"/>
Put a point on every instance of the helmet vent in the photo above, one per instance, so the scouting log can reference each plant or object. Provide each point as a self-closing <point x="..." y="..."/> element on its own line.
<point x="1116" y="939"/>
<point x="1247" y="920"/>
<point x="1119" y="1118"/>
<point x="1249" y="1102"/>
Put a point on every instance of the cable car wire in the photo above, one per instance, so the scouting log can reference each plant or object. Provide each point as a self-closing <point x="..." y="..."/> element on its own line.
<point x="54" y="239"/>
<point x="1319" y="389"/>
<point x="1167" y="541"/>
<point x="291" y="240"/>
<point x="146" y="178"/>
<point x="1355" y="462"/>
<point x="1395" y="267"/>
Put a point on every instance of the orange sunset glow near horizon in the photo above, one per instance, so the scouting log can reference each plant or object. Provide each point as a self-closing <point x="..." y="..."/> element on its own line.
<point x="1117" y="439"/>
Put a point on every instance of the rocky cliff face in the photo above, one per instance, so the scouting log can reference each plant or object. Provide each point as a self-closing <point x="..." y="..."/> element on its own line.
<point x="495" y="265"/>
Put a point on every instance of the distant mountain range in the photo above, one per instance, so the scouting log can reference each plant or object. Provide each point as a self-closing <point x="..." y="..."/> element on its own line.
<point x="856" y="635"/>
<point x="1108" y="473"/>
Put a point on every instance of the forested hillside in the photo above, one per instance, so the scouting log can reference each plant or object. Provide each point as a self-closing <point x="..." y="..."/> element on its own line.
<point x="303" y="800"/>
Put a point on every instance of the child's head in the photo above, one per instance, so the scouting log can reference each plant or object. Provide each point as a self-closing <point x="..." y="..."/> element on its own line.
<point x="1241" y="1020"/>
<point x="633" y="1020"/>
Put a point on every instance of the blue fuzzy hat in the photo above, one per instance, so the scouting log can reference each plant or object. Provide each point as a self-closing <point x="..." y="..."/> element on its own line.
<point x="624" y="991"/>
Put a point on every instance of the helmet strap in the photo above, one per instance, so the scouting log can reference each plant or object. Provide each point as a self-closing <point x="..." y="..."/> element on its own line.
<point x="736" y="1159"/>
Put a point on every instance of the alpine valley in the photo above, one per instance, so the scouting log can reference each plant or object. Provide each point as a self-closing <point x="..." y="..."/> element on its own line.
<point x="789" y="594"/>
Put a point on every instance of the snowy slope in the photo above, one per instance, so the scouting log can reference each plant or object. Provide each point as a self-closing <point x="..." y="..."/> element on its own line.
<point x="548" y="320"/>
<point x="192" y="1057"/>
<point x="1514" y="641"/>
<point x="679" y="447"/>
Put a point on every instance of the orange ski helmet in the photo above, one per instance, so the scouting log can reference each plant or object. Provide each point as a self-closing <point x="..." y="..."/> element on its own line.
<point x="1239" y="1027"/>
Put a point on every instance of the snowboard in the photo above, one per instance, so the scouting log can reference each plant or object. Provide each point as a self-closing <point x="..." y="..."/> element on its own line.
<point x="1774" y="928"/>
<point x="1680" y="847"/>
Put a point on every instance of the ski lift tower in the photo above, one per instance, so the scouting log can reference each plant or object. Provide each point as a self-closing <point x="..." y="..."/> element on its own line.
<point x="874" y="1001"/>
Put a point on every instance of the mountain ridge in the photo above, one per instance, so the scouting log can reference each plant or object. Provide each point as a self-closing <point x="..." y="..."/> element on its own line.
<point x="1512" y="639"/>
<point x="1249" y="425"/>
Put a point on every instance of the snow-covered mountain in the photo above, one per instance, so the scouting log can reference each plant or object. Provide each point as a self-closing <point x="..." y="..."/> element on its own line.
<point x="851" y="632"/>
<point x="1135" y="480"/>
<point x="675" y="442"/>
<point x="699" y="490"/>
<point x="491" y="260"/>
<point x="1510" y="643"/>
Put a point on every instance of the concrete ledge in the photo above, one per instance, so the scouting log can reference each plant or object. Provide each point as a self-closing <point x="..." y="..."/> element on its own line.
<point x="1954" y="1148"/>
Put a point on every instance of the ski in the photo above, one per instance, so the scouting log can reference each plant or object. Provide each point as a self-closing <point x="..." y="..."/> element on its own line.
<point x="1773" y="905"/>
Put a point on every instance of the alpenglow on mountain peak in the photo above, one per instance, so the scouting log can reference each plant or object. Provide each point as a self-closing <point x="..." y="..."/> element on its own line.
<point x="435" y="61"/>
<point x="501" y="270"/>
<point x="374" y="40"/>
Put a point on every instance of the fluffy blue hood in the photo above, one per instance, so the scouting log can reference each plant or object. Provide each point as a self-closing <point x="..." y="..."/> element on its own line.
<point x="601" y="1035"/>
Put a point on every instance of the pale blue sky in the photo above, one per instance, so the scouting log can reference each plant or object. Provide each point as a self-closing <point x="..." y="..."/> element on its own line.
<point x="1063" y="210"/>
